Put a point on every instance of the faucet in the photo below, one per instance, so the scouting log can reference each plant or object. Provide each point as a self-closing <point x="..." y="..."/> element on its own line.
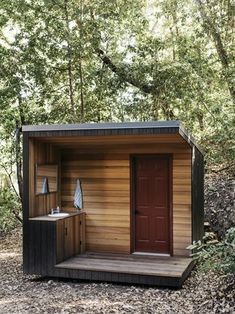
<point x="55" y="210"/>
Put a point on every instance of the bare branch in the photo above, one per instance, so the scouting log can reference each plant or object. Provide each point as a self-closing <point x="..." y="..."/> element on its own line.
<point x="16" y="213"/>
<point x="230" y="166"/>
<point x="126" y="77"/>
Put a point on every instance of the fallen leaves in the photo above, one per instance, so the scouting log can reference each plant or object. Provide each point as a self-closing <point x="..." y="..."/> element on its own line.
<point x="201" y="293"/>
<point x="220" y="203"/>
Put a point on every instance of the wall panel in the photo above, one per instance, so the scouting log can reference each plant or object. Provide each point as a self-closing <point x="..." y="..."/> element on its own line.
<point x="105" y="174"/>
<point x="41" y="153"/>
<point x="105" y="185"/>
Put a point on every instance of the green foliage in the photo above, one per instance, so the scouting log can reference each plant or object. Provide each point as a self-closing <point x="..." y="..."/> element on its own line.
<point x="8" y="203"/>
<point x="167" y="66"/>
<point x="215" y="255"/>
<point x="161" y="62"/>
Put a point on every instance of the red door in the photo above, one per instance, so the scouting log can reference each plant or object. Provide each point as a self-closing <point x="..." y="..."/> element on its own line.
<point x="152" y="204"/>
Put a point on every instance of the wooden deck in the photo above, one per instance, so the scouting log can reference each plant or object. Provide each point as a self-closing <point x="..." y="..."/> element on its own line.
<point x="135" y="269"/>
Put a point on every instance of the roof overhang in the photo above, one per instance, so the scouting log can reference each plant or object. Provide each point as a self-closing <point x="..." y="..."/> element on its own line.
<point x="99" y="129"/>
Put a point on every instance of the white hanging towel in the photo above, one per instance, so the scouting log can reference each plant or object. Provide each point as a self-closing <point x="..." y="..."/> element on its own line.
<point x="45" y="188"/>
<point x="78" y="199"/>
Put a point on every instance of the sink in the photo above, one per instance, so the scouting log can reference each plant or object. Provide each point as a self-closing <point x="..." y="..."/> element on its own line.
<point x="59" y="215"/>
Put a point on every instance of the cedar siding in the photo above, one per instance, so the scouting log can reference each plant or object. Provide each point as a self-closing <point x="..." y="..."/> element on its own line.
<point x="106" y="188"/>
<point x="102" y="156"/>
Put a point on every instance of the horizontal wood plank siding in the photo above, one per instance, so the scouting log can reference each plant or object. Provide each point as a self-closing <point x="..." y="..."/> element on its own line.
<point x="182" y="228"/>
<point x="105" y="175"/>
<point x="41" y="153"/>
<point x="118" y="139"/>
<point x="105" y="185"/>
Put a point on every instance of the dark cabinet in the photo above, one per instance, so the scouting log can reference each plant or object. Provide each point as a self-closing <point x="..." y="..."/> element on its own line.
<point x="52" y="241"/>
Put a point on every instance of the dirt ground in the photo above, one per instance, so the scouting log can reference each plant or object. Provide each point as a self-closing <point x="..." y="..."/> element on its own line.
<point x="19" y="293"/>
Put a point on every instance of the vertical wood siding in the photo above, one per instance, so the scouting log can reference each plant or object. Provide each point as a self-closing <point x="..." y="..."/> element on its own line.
<point x="197" y="194"/>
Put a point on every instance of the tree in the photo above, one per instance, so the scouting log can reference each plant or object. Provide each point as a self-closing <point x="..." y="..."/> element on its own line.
<point x="80" y="61"/>
<point x="214" y="29"/>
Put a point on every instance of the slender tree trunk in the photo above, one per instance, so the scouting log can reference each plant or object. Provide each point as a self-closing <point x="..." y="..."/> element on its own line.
<point x="81" y="89"/>
<point x="155" y="108"/>
<point x="80" y="62"/>
<point x="18" y="147"/>
<point x="175" y="17"/>
<point x="176" y="35"/>
<point x="69" y="65"/>
<point x="173" y="44"/>
<point x="167" y="111"/>
<point x="100" y="93"/>
<point x="200" y="120"/>
<point x="70" y="75"/>
<point x="19" y="162"/>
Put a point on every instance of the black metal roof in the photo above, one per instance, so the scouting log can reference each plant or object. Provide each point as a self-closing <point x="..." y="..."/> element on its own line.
<point x="94" y="126"/>
<point x="127" y="128"/>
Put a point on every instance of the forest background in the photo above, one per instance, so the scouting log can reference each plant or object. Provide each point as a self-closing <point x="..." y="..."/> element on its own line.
<point x="114" y="61"/>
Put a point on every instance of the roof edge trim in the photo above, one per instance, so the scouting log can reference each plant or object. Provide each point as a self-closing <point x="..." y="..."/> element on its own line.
<point x="189" y="138"/>
<point x="86" y="127"/>
<point x="103" y="126"/>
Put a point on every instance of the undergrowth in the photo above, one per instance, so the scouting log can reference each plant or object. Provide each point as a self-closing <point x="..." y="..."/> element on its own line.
<point x="216" y="255"/>
<point x="8" y="204"/>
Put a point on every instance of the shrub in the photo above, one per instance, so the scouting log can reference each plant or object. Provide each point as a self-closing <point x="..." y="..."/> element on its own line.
<point x="8" y="204"/>
<point x="215" y="255"/>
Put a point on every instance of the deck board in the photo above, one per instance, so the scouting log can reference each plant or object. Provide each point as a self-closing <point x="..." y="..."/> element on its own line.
<point x="151" y="267"/>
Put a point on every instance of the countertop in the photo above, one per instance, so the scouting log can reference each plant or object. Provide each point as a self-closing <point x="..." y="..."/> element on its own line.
<point x="47" y="218"/>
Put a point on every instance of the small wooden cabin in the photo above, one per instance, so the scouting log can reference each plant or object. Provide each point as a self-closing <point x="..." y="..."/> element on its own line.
<point x="142" y="189"/>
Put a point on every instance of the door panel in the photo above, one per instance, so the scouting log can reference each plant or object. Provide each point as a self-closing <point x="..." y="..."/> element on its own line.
<point x="152" y="204"/>
<point x="143" y="232"/>
<point x="160" y="197"/>
<point x="143" y="190"/>
<point x="160" y="229"/>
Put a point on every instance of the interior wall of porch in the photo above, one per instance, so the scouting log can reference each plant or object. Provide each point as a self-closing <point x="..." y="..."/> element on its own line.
<point x="42" y="153"/>
<point x="104" y="171"/>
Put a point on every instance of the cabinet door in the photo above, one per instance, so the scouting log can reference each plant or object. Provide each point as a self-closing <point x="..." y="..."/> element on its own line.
<point x="77" y="236"/>
<point x="60" y="238"/>
<point x="69" y="239"/>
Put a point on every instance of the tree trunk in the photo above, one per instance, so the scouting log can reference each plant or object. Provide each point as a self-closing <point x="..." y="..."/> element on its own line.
<point x="80" y="62"/>
<point x="69" y="66"/>
<point x="18" y="147"/>
<point x="19" y="162"/>
<point x="167" y="111"/>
